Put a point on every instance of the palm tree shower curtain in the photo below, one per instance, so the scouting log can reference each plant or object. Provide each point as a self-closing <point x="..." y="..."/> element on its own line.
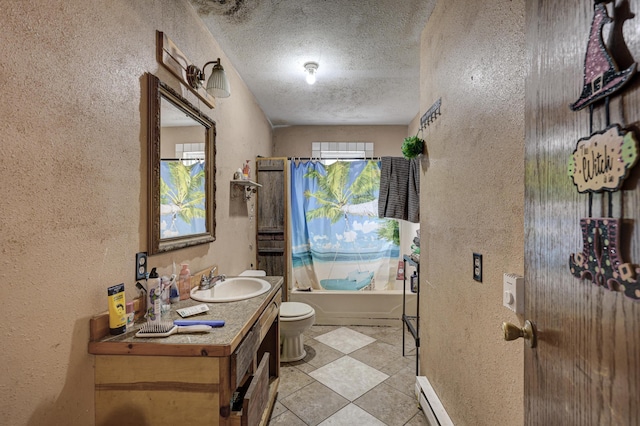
<point x="338" y="241"/>
<point x="182" y="198"/>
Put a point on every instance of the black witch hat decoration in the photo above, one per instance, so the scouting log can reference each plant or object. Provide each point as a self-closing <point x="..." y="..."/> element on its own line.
<point x="601" y="74"/>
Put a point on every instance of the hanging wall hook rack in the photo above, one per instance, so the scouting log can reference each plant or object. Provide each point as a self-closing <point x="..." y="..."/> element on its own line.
<point x="431" y="114"/>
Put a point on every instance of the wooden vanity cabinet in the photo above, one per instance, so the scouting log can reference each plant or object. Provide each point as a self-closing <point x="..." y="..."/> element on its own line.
<point x="149" y="389"/>
<point x="255" y="366"/>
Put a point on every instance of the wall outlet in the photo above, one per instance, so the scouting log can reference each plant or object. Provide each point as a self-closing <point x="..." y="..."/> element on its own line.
<point x="141" y="265"/>
<point x="477" y="267"/>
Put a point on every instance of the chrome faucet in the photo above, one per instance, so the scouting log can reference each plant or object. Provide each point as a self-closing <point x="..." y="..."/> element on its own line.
<point x="216" y="278"/>
<point x="213" y="272"/>
<point x="207" y="282"/>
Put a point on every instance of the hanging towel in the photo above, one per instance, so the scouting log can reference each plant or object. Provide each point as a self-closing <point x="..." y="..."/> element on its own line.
<point x="413" y="192"/>
<point x="394" y="182"/>
<point x="399" y="189"/>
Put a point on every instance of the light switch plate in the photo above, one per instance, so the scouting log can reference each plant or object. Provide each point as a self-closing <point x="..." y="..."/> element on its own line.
<point x="513" y="293"/>
<point x="141" y="265"/>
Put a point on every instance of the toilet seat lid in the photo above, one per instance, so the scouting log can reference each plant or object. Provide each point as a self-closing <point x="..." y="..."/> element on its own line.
<point x="294" y="309"/>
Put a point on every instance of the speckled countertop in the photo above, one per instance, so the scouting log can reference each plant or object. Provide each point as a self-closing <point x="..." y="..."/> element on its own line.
<point x="220" y="341"/>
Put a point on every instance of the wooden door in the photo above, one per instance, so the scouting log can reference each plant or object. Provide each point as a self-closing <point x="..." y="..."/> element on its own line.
<point x="271" y="237"/>
<point x="586" y="367"/>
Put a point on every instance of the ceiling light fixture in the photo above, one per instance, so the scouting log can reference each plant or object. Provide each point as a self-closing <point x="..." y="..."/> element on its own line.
<point x="217" y="85"/>
<point x="311" y="68"/>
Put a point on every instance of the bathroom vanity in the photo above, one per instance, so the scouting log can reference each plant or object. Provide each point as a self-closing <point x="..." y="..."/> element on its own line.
<point x="228" y="376"/>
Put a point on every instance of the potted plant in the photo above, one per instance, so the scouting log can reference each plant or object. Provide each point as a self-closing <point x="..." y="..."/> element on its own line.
<point x="412" y="147"/>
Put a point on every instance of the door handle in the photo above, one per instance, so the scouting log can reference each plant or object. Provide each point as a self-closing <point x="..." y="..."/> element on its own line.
<point x="513" y="332"/>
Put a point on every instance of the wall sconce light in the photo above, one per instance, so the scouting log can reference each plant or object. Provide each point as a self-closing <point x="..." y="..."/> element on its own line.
<point x="310" y="68"/>
<point x="217" y="85"/>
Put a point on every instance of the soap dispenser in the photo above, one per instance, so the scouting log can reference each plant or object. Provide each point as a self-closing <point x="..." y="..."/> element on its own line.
<point x="154" y="298"/>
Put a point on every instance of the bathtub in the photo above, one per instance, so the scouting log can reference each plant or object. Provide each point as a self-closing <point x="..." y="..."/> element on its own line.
<point x="380" y="307"/>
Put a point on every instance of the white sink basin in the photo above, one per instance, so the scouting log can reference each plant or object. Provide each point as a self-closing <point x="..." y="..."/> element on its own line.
<point x="231" y="290"/>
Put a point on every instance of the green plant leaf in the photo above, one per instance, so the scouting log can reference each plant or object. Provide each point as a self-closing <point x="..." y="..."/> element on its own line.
<point x="412" y="147"/>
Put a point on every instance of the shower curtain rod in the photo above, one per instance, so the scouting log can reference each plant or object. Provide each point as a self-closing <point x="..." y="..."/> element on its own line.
<point x="338" y="158"/>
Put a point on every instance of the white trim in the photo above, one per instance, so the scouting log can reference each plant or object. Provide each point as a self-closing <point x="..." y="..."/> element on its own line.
<point x="431" y="406"/>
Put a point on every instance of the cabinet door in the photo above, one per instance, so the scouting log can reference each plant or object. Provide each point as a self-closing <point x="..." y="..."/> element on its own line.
<point x="271" y="238"/>
<point x="257" y="396"/>
<point x="242" y="358"/>
<point x="271" y="174"/>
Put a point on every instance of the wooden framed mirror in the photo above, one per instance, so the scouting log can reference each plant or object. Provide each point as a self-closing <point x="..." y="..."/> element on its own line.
<point x="181" y="171"/>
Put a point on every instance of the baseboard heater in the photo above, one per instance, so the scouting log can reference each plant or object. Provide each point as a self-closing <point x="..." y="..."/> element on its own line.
<point x="430" y="403"/>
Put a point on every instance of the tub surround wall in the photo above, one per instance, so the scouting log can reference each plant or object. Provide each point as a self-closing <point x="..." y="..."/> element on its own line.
<point x="73" y="164"/>
<point x="472" y="200"/>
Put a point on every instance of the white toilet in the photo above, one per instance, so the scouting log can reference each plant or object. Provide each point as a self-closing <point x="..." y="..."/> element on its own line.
<point x="295" y="319"/>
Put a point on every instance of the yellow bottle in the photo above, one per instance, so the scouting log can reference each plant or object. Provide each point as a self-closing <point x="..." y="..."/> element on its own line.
<point x="117" y="309"/>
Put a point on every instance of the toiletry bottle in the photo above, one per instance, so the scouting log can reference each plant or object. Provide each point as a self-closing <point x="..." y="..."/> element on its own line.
<point x="165" y="299"/>
<point x="174" y="292"/>
<point x="154" y="302"/>
<point x="117" y="310"/>
<point x="131" y="315"/>
<point x="185" y="282"/>
<point x="414" y="282"/>
<point x="400" y="274"/>
<point x="246" y="170"/>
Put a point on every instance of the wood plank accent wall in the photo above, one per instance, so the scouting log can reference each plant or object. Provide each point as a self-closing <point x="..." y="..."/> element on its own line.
<point x="586" y="368"/>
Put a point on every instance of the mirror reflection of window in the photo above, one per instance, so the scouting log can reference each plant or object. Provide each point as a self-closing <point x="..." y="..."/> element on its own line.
<point x="190" y="153"/>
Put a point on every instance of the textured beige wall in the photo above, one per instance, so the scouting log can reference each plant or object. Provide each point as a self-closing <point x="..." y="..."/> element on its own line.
<point x="73" y="172"/>
<point x="472" y="186"/>
<point x="172" y="136"/>
<point x="295" y="141"/>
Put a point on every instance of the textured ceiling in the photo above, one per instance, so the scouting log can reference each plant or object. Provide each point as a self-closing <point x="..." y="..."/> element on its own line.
<point x="367" y="51"/>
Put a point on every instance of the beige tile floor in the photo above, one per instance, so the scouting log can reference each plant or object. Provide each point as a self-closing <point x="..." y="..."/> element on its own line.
<point x="352" y="375"/>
